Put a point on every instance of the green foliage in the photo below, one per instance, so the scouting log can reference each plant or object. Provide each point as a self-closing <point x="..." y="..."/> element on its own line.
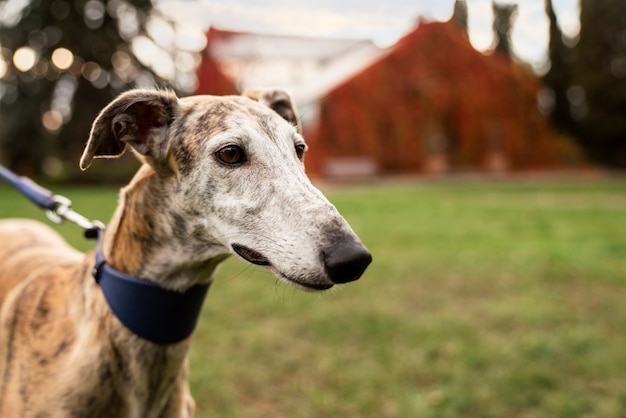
<point x="62" y="62"/>
<point x="460" y="14"/>
<point x="588" y="79"/>
<point x="503" y="18"/>
<point x="560" y="75"/>
<point x="601" y="73"/>
<point x="484" y="300"/>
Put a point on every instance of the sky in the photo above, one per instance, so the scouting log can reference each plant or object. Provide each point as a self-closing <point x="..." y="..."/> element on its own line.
<point x="384" y="22"/>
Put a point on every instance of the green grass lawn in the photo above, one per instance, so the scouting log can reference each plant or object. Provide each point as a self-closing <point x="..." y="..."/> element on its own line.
<point x="485" y="299"/>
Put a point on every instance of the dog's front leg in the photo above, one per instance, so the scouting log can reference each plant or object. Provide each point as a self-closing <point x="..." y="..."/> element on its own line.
<point x="180" y="403"/>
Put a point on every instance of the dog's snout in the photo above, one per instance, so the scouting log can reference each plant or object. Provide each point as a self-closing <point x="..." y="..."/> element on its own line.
<point x="346" y="261"/>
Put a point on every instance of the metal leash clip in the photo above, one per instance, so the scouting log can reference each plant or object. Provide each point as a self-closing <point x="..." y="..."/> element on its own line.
<point x="63" y="212"/>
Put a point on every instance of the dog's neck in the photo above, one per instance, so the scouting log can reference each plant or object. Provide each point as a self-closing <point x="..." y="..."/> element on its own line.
<point x="145" y="237"/>
<point x="136" y="243"/>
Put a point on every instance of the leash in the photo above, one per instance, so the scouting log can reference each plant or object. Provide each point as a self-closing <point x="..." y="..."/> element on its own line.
<point x="150" y="311"/>
<point x="58" y="208"/>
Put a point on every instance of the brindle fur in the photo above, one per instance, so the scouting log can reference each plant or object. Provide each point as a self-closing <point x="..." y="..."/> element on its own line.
<point x="62" y="351"/>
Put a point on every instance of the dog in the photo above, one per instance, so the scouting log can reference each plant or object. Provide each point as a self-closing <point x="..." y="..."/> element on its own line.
<point x="220" y="175"/>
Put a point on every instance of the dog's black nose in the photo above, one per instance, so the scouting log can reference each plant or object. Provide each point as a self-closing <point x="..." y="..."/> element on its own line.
<point x="346" y="261"/>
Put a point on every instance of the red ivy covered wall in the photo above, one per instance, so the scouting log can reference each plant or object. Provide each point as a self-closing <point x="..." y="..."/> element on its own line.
<point x="435" y="103"/>
<point x="211" y="80"/>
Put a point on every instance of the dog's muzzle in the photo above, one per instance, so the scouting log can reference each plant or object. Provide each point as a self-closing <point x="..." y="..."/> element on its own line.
<point x="344" y="261"/>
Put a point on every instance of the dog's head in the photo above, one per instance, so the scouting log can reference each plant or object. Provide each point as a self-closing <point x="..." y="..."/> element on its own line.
<point x="233" y="171"/>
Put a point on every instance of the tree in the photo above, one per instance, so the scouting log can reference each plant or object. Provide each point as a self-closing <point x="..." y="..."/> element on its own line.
<point x="503" y="17"/>
<point x="61" y="61"/>
<point x="559" y="77"/>
<point x="598" y="97"/>
<point x="460" y="14"/>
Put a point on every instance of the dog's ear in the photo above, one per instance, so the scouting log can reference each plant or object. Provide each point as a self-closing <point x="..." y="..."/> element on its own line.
<point x="278" y="100"/>
<point x="138" y="118"/>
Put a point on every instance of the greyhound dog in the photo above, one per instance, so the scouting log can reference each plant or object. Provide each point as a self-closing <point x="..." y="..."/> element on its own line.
<point x="219" y="175"/>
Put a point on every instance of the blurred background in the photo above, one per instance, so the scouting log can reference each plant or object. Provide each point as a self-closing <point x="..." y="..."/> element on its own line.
<point x="477" y="147"/>
<point x="395" y="88"/>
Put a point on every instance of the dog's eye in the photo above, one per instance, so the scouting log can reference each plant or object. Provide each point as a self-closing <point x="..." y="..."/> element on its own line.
<point x="231" y="155"/>
<point x="300" y="148"/>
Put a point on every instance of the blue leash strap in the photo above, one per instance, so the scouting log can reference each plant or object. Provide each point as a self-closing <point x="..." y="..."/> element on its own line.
<point x="40" y="196"/>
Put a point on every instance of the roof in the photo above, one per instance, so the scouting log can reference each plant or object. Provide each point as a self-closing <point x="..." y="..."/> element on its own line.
<point x="225" y="44"/>
<point x="308" y="67"/>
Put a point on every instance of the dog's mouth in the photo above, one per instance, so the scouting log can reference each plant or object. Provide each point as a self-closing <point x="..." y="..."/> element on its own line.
<point x="251" y="256"/>
<point x="307" y="286"/>
<point x="255" y="257"/>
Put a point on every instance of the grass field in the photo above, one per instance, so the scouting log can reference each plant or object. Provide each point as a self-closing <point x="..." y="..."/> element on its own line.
<point x="485" y="299"/>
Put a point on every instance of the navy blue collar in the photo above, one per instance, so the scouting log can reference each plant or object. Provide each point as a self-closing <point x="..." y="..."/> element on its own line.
<point x="152" y="312"/>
